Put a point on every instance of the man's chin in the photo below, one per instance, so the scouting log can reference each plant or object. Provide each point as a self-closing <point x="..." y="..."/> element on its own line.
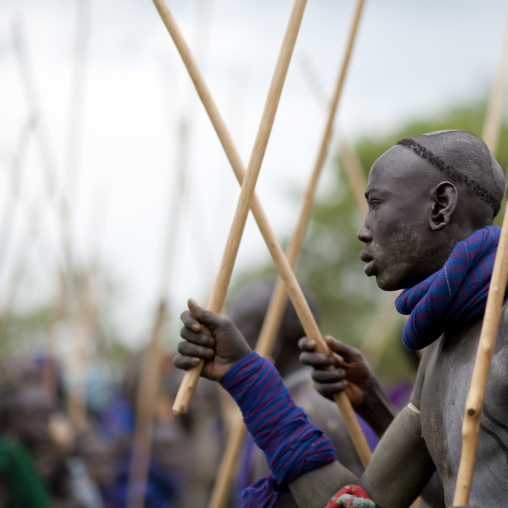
<point x="387" y="284"/>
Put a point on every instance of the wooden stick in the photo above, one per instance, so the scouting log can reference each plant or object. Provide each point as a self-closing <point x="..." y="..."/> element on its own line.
<point x="145" y="401"/>
<point x="17" y="273"/>
<point x="352" y="165"/>
<point x="46" y="154"/>
<point x="11" y="201"/>
<point x="474" y="401"/>
<point x="83" y="329"/>
<point x="385" y="319"/>
<point x="43" y="144"/>
<point x="476" y="395"/>
<point x="494" y="117"/>
<point x="151" y="362"/>
<point x="87" y="314"/>
<point x="354" y="171"/>
<point x="72" y="145"/>
<point x="285" y="272"/>
<point x="272" y="321"/>
<point x="222" y="281"/>
<point x="273" y="317"/>
<point x="29" y="85"/>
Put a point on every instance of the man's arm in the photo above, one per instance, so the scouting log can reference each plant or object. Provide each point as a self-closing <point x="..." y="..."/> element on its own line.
<point x="400" y="466"/>
<point x="399" y="469"/>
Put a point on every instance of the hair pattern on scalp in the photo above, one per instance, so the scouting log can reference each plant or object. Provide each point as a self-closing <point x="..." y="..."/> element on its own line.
<point x="452" y="172"/>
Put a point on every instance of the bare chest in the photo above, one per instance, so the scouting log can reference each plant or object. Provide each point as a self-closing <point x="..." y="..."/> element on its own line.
<point x="443" y="397"/>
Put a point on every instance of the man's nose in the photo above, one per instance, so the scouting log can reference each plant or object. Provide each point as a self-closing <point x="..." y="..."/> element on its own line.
<point x="364" y="234"/>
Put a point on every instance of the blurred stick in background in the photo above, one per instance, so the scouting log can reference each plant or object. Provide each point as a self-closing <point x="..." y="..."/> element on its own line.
<point x="86" y="314"/>
<point x="151" y="358"/>
<point x="386" y="319"/>
<point x="74" y="127"/>
<point x="152" y="355"/>
<point x="48" y="162"/>
<point x="494" y="116"/>
<point x="85" y="325"/>
<point x="12" y="196"/>
<point x="350" y="160"/>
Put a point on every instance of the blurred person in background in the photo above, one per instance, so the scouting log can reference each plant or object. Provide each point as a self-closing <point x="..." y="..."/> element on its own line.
<point x="247" y="310"/>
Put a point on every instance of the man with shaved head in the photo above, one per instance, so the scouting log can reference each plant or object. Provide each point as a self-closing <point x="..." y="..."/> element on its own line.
<point x="432" y="200"/>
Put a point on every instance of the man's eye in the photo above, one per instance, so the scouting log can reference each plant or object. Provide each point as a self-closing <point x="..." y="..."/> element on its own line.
<point x="373" y="203"/>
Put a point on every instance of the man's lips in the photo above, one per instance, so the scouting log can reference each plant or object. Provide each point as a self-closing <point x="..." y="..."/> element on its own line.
<point x="369" y="267"/>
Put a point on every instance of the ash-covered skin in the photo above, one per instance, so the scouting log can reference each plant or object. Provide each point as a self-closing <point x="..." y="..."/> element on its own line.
<point x="411" y="226"/>
<point x="417" y="214"/>
<point x="440" y="393"/>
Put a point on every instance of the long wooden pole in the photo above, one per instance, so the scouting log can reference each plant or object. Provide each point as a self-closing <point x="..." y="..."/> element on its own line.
<point x="271" y="323"/>
<point x="82" y="334"/>
<point x="284" y="269"/>
<point x="151" y="360"/>
<point x="476" y="395"/>
<point x="145" y="401"/>
<point x="87" y="315"/>
<point x="85" y="329"/>
<point x="385" y="319"/>
<point x="30" y="89"/>
<point x="47" y="157"/>
<point x="219" y="290"/>
<point x="352" y="165"/>
<point x="12" y="199"/>
<point x="354" y="170"/>
<point x="74" y="127"/>
<point x="273" y="317"/>
<point x="494" y="117"/>
<point x="18" y="271"/>
<point x="151" y="363"/>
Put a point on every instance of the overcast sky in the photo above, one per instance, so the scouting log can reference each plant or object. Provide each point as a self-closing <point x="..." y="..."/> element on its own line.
<point x="411" y="58"/>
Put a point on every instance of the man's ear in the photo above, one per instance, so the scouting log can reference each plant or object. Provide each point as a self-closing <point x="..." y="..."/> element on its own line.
<point x="445" y="198"/>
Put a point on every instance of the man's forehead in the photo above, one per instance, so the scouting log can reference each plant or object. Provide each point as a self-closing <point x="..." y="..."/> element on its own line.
<point x="396" y="164"/>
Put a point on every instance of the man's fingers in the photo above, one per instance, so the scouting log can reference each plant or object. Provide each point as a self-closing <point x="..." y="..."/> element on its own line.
<point x="185" y="362"/>
<point x="329" y="390"/>
<point x="202" y="339"/>
<point x="306" y="344"/>
<point x="316" y="360"/>
<point x="195" y="350"/>
<point x="190" y="321"/>
<point x="328" y="376"/>
<point x="210" y="319"/>
<point x="346" y="353"/>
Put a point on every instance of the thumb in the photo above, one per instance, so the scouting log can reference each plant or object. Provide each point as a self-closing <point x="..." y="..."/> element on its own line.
<point x="210" y="319"/>
<point x="345" y="352"/>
